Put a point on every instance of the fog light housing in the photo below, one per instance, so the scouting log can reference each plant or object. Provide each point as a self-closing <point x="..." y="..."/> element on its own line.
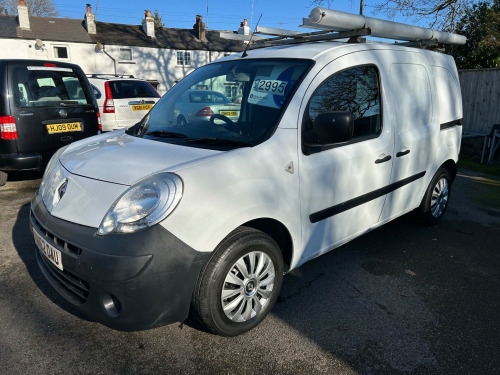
<point x="111" y="305"/>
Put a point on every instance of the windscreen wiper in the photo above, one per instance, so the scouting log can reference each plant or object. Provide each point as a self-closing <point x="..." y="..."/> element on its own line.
<point x="165" y="134"/>
<point x="219" y="141"/>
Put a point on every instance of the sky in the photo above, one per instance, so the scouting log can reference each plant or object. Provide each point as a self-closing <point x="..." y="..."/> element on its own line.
<point x="222" y="14"/>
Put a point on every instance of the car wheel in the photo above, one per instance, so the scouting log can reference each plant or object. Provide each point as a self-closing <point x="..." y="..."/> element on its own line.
<point x="3" y="178"/>
<point x="181" y="120"/>
<point x="436" y="198"/>
<point x="240" y="283"/>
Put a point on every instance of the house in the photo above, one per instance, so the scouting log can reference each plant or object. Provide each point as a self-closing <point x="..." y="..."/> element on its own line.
<point x="161" y="55"/>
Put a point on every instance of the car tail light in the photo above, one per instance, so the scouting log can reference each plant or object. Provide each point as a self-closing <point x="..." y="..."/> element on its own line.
<point x="109" y="104"/>
<point x="8" y="128"/>
<point x="205" y="111"/>
<point x="51" y="65"/>
<point x="99" y="122"/>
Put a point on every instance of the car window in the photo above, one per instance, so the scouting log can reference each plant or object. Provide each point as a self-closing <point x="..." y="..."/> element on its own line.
<point x="40" y="86"/>
<point x="354" y="90"/>
<point x="199" y="109"/>
<point x="96" y="92"/>
<point x="125" y="89"/>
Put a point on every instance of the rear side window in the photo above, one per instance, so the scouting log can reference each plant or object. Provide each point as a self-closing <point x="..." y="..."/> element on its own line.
<point x="132" y="89"/>
<point x="40" y="86"/>
<point x="354" y="90"/>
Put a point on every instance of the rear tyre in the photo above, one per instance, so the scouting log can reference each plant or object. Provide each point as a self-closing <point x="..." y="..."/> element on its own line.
<point x="240" y="283"/>
<point x="435" y="201"/>
<point x="3" y="178"/>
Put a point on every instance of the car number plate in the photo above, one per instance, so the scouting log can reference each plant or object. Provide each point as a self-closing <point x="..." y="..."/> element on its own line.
<point x="229" y="113"/>
<point x="49" y="251"/>
<point x="142" y="107"/>
<point x="64" y="128"/>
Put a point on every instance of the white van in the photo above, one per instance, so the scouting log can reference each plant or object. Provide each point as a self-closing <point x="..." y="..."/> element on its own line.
<point x="142" y="227"/>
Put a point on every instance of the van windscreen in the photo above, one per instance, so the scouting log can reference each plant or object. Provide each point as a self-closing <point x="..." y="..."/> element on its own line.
<point x="41" y="86"/>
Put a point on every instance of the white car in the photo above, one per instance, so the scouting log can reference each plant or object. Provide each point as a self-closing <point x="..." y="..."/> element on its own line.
<point x="141" y="227"/>
<point x="122" y="101"/>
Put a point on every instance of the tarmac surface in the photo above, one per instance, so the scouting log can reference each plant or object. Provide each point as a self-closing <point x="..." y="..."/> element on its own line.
<point x="403" y="299"/>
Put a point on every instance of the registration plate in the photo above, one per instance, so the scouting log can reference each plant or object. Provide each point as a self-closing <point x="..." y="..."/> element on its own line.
<point x="229" y="113"/>
<point x="64" y="128"/>
<point x="49" y="251"/>
<point x="142" y="107"/>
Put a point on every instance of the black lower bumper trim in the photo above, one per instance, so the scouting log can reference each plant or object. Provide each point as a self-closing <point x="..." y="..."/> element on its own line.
<point x="126" y="281"/>
<point x="20" y="162"/>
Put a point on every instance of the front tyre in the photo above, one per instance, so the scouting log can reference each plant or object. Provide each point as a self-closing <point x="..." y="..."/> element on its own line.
<point x="240" y="283"/>
<point x="436" y="198"/>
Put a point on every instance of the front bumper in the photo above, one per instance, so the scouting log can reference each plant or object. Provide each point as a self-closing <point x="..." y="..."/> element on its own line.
<point x="125" y="281"/>
<point x="20" y="162"/>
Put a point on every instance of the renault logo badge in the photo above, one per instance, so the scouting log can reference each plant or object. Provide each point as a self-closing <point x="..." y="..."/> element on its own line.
<point x="62" y="189"/>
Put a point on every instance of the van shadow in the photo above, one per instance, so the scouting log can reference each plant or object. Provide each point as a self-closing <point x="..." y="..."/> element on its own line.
<point x="361" y="302"/>
<point x="25" y="246"/>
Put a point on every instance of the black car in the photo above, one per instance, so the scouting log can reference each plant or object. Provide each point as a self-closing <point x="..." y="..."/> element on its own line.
<point x="44" y="105"/>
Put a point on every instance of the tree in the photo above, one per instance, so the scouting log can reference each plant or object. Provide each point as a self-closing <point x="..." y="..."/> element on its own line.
<point x="158" y="21"/>
<point x="37" y="8"/>
<point x="441" y="14"/>
<point x="481" y="26"/>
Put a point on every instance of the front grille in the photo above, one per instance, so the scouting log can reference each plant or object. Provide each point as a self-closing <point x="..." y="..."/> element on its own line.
<point x="51" y="237"/>
<point x="68" y="284"/>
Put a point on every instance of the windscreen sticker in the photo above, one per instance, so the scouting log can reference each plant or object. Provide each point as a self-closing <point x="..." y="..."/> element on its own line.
<point x="51" y="68"/>
<point x="272" y="90"/>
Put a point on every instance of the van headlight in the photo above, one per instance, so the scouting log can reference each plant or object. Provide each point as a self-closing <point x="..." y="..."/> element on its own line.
<point x="142" y="205"/>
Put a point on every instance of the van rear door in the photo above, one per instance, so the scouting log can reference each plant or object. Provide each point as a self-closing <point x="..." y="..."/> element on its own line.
<point x="52" y="105"/>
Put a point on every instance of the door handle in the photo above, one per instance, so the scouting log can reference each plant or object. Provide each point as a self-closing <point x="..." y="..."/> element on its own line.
<point x="402" y="153"/>
<point x="383" y="159"/>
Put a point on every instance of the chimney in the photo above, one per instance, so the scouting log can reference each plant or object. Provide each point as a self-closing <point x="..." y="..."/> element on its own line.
<point x="199" y="28"/>
<point x="89" y="20"/>
<point x="148" y="24"/>
<point x="23" y="16"/>
<point x="244" y="29"/>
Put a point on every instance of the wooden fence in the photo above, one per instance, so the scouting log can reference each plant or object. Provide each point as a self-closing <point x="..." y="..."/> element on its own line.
<point x="481" y="99"/>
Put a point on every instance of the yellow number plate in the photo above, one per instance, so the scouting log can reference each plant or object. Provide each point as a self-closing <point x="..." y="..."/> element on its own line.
<point x="64" y="128"/>
<point x="142" y="107"/>
<point x="229" y="113"/>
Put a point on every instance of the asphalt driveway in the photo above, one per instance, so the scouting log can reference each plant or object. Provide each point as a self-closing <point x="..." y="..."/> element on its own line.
<point x="403" y="299"/>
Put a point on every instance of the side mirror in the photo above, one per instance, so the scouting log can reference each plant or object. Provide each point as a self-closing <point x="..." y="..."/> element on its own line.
<point x="331" y="127"/>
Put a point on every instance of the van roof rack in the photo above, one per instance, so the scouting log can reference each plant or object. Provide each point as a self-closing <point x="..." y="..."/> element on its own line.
<point x="335" y="25"/>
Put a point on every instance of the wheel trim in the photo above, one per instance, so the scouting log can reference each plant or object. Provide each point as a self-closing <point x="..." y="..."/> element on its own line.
<point x="248" y="286"/>
<point x="439" y="198"/>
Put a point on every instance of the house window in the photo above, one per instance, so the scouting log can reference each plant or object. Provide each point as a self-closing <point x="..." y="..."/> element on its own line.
<point x="125" y="54"/>
<point x="61" y="52"/>
<point x="184" y="58"/>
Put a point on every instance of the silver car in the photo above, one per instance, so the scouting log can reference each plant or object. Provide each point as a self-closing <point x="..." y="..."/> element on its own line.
<point x="201" y="105"/>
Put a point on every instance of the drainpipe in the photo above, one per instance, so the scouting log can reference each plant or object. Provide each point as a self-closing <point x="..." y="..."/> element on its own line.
<point x="100" y="47"/>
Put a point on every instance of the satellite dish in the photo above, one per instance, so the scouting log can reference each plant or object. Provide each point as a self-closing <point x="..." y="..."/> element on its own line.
<point x="100" y="47"/>
<point x="39" y="43"/>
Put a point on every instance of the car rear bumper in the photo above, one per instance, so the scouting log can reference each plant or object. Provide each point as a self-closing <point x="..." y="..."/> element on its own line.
<point x="20" y="162"/>
<point x="125" y="281"/>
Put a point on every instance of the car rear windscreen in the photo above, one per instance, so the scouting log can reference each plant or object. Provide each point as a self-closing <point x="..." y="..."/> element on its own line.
<point x="41" y="86"/>
<point x="124" y="89"/>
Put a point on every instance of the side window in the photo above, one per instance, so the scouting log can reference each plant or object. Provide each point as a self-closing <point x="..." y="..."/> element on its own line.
<point x="96" y="91"/>
<point x="354" y="90"/>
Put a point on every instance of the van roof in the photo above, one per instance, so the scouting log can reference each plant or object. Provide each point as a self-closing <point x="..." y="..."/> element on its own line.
<point x="314" y="50"/>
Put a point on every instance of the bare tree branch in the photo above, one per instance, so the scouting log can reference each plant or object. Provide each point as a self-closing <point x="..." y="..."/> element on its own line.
<point x="37" y="8"/>
<point x="441" y="14"/>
